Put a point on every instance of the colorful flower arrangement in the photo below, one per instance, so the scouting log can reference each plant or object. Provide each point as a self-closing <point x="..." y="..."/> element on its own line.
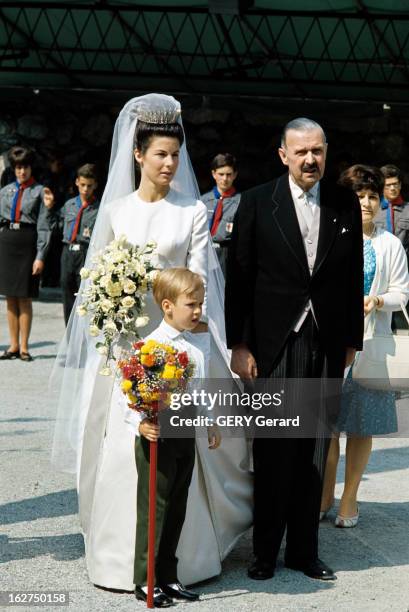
<point x="114" y="297"/>
<point x="151" y="373"/>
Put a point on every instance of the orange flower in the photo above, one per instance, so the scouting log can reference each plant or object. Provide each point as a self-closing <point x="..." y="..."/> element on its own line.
<point x="148" y="360"/>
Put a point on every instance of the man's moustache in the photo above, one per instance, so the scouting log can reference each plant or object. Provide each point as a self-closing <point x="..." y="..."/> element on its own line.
<point x="309" y="168"/>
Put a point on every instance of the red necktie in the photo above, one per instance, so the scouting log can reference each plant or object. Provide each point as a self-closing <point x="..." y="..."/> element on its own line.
<point x="218" y="213"/>
<point x="78" y="220"/>
<point x="22" y="187"/>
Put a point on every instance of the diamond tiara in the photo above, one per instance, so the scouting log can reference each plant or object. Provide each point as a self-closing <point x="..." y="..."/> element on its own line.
<point x="159" y="117"/>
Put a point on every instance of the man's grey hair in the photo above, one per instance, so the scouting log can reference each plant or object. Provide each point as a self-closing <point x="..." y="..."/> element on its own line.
<point x="301" y="124"/>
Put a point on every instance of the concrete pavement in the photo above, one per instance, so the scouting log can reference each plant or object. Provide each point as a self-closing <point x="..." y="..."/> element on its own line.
<point x="41" y="547"/>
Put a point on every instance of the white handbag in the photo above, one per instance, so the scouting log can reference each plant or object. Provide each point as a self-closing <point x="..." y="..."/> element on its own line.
<point x="383" y="363"/>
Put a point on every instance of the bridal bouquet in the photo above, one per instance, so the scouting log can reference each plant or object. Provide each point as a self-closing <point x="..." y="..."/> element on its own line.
<point x="151" y="372"/>
<point x="114" y="296"/>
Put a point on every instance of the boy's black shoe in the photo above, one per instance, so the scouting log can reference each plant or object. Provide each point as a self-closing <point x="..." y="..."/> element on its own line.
<point x="179" y="592"/>
<point x="160" y="599"/>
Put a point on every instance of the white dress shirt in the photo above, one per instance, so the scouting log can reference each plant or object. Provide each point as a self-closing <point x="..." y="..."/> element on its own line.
<point x="305" y="202"/>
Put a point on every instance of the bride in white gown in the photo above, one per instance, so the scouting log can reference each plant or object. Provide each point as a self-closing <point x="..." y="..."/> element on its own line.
<point x="163" y="209"/>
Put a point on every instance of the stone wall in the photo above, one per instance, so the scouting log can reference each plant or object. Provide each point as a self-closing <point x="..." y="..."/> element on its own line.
<point x="82" y="133"/>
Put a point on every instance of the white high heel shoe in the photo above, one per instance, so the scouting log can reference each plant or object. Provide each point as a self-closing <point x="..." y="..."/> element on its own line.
<point x="347" y="521"/>
<point x="324" y="513"/>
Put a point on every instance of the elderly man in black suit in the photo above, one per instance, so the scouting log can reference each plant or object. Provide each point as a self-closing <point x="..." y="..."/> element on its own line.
<point x="294" y="294"/>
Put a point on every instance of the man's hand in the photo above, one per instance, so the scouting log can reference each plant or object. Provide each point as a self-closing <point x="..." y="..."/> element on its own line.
<point x="369" y="304"/>
<point x="38" y="267"/>
<point x="350" y="356"/>
<point x="243" y="362"/>
<point x="214" y="436"/>
<point x="149" y="430"/>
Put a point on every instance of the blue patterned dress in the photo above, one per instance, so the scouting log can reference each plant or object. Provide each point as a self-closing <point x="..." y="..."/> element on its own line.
<point x="365" y="412"/>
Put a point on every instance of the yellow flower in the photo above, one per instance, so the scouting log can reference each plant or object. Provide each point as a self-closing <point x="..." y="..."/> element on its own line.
<point x="148" y="346"/>
<point x="142" y="387"/>
<point x="179" y="373"/>
<point x="126" y="385"/>
<point x="147" y="397"/>
<point x="169" y="371"/>
<point x="132" y="398"/>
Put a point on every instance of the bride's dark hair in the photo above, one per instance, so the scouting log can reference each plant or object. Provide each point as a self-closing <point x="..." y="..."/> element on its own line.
<point x="146" y="131"/>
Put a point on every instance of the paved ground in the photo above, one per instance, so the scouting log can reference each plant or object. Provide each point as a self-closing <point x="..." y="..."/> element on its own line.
<point x="42" y="549"/>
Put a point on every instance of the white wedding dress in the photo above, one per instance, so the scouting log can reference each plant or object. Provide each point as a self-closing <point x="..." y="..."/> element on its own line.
<point x="219" y="506"/>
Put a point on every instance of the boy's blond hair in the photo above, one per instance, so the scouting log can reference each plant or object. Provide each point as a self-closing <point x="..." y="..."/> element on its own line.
<point x="170" y="283"/>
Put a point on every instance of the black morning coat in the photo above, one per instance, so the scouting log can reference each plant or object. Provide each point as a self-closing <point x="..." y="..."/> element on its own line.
<point x="268" y="283"/>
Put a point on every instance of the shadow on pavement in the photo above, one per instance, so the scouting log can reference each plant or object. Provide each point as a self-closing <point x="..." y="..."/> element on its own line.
<point x="381" y="460"/>
<point x="25" y="420"/>
<point x="62" y="548"/>
<point x="32" y="345"/>
<point x="62" y="503"/>
<point x="381" y="538"/>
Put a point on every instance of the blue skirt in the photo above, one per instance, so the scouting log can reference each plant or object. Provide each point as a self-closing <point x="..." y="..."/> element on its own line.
<point x="365" y="412"/>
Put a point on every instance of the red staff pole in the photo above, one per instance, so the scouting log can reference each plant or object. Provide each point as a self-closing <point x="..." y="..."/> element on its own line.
<point x="153" y="462"/>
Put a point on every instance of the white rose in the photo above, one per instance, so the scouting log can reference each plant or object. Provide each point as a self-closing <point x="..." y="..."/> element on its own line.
<point x="140" y="268"/>
<point x="105" y="371"/>
<point x="84" y="273"/>
<point x="94" y="330"/>
<point x="102" y="350"/>
<point x="141" y="321"/>
<point x="128" y="301"/>
<point x="114" y="289"/>
<point x="106" y="305"/>
<point x="94" y="275"/>
<point x="129" y="286"/>
<point x="110" y="326"/>
<point x="104" y="280"/>
<point x="82" y="310"/>
<point x="119" y="256"/>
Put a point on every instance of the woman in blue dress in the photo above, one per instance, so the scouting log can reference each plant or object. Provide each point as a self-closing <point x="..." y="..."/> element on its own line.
<point x="365" y="413"/>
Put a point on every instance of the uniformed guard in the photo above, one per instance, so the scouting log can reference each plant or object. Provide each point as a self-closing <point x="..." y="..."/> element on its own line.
<point x="77" y="218"/>
<point x="26" y="222"/>
<point x="222" y="202"/>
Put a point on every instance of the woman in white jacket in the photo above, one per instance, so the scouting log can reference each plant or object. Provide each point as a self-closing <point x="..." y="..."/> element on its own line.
<point x="364" y="412"/>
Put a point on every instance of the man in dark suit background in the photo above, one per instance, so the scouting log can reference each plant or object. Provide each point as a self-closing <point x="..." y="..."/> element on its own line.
<point x="294" y="309"/>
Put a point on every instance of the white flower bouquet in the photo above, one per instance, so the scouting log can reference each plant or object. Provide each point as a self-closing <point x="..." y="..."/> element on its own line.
<point x="114" y="296"/>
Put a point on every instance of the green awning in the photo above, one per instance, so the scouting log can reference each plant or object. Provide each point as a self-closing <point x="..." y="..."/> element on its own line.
<point x="332" y="50"/>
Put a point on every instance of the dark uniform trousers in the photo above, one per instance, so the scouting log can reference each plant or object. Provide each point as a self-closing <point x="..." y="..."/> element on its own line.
<point x="288" y="472"/>
<point x="176" y="458"/>
<point x="71" y="264"/>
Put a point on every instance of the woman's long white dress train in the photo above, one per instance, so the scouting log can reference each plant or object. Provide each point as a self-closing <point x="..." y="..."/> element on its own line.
<point x="219" y="506"/>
